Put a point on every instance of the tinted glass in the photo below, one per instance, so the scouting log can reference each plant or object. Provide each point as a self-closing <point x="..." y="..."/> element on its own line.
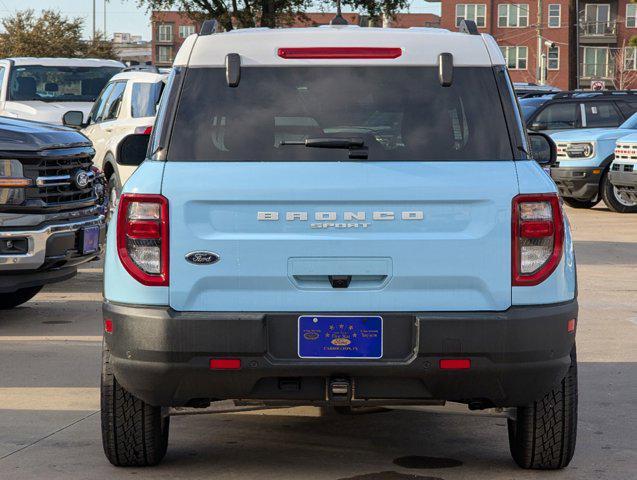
<point x="98" y="106"/>
<point x="401" y="113"/>
<point x="630" y="123"/>
<point x="602" y="114"/>
<point x="557" y="116"/>
<point x="627" y="108"/>
<point x="58" y="84"/>
<point x="145" y="98"/>
<point x="114" y="102"/>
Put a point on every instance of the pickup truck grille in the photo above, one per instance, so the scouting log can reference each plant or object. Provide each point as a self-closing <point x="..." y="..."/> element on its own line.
<point x="62" y="179"/>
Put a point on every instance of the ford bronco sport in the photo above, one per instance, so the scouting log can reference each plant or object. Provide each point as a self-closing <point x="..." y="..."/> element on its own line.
<point x="51" y="207"/>
<point x="340" y="216"/>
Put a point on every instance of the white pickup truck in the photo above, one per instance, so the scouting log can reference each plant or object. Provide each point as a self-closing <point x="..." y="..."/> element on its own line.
<point x="44" y="89"/>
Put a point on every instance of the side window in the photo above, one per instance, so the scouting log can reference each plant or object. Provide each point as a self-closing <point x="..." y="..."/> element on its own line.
<point x="98" y="106"/>
<point x="557" y="116"/>
<point x="114" y="102"/>
<point x="627" y="108"/>
<point x="1" y="77"/>
<point x="145" y="99"/>
<point x="602" y="114"/>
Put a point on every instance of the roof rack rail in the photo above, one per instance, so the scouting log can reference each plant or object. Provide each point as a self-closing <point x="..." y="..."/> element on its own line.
<point x="208" y="27"/>
<point x="468" y="26"/>
<point x="593" y="93"/>
<point x="141" y="68"/>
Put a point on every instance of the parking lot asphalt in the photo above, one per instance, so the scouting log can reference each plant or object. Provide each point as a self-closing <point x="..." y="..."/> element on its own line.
<point x="49" y="398"/>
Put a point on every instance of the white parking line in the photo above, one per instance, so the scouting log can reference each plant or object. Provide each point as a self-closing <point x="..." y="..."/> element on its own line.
<point x="52" y="338"/>
<point x="50" y="398"/>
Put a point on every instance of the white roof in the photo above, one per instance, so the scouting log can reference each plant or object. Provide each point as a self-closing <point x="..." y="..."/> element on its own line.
<point x="141" y="75"/>
<point x="420" y="46"/>
<point x="66" y="62"/>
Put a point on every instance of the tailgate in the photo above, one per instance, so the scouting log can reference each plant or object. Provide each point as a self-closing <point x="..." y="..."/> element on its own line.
<point x="403" y="236"/>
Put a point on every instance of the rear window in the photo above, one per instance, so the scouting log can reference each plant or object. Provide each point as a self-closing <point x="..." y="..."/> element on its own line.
<point x="400" y="113"/>
<point x="145" y="97"/>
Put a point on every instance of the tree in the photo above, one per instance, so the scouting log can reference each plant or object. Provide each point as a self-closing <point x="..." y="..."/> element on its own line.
<point x="49" y="35"/>
<point x="265" y="13"/>
<point x="623" y="63"/>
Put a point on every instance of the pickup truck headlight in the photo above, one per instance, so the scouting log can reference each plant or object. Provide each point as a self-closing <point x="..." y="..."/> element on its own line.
<point x="580" y="150"/>
<point x="12" y="182"/>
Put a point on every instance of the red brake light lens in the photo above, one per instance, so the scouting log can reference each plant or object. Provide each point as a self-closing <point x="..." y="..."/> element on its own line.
<point x="142" y="237"/>
<point x="537" y="238"/>
<point x="339" y="52"/>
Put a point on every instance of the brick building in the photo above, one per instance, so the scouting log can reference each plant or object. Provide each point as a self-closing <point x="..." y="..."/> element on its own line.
<point x="591" y="38"/>
<point x="517" y="27"/>
<point x="169" y="29"/>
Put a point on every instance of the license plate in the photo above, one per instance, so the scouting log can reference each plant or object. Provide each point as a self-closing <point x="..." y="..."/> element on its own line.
<point x="90" y="239"/>
<point x="322" y="336"/>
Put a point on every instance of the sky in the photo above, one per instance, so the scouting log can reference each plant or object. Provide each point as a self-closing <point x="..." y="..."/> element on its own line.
<point x="124" y="15"/>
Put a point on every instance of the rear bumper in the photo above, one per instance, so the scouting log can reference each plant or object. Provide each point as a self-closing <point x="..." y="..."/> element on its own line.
<point x="577" y="182"/>
<point x="163" y="357"/>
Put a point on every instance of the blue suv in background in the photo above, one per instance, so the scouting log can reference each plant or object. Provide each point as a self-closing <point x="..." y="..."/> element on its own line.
<point x="582" y="169"/>
<point x="325" y="218"/>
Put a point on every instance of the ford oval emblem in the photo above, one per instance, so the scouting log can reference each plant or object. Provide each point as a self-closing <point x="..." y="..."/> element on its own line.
<point x="202" y="258"/>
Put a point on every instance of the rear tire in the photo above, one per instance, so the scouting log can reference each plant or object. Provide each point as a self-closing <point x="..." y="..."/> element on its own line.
<point x="134" y="434"/>
<point x="13" y="299"/>
<point x="114" y="190"/>
<point x="574" y="203"/>
<point x="613" y="201"/>
<point x="542" y="436"/>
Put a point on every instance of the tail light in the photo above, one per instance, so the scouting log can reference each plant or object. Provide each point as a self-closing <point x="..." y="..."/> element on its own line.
<point x="142" y="237"/>
<point x="144" y="130"/>
<point x="537" y="238"/>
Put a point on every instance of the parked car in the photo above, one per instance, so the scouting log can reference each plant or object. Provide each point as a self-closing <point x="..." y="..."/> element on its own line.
<point x="578" y="109"/>
<point x="623" y="172"/>
<point x="43" y="89"/>
<point x="51" y="215"/>
<point x="581" y="171"/>
<point x="530" y="90"/>
<point x="126" y="106"/>
<point x="304" y="234"/>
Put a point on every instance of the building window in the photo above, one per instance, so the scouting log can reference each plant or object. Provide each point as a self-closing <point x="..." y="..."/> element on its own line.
<point x="513" y="15"/>
<point x="555" y="15"/>
<point x="471" y="11"/>
<point x="516" y="57"/>
<point x="631" y="15"/>
<point x="596" y="61"/>
<point x="164" y="54"/>
<point x="186" y="30"/>
<point x="553" y="59"/>
<point x="165" y="33"/>
<point x="630" y="58"/>
<point x="597" y="19"/>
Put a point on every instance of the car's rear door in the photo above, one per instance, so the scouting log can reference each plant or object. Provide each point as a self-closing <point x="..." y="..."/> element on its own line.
<point x="423" y="223"/>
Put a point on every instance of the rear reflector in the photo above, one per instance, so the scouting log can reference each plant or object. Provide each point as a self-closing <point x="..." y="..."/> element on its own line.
<point x="570" y="326"/>
<point x="108" y="325"/>
<point x="455" y="364"/>
<point x="225" y="364"/>
<point x="339" y="52"/>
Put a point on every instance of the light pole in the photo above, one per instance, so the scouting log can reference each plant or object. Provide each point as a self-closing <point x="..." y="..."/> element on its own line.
<point x="93" y="20"/>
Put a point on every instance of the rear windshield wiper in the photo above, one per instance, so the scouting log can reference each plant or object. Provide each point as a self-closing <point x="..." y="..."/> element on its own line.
<point x="356" y="146"/>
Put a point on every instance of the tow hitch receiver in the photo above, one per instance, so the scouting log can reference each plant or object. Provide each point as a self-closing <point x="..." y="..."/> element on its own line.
<point x="339" y="390"/>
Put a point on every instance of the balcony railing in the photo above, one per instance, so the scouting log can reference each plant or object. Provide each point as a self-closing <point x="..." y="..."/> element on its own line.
<point x="598" y="29"/>
<point x="597" y="70"/>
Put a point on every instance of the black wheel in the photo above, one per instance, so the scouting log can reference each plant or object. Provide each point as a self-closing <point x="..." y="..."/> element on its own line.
<point x="613" y="200"/>
<point x="113" y="196"/>
<point x="134" y="434"/>
<point x="13" y="299"/>
<point x="542" y="435"/>
<point x="574" y="203"/>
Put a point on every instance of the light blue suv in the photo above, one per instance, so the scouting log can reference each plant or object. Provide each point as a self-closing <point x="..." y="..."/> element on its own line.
<point x="340" y="217"/>
<point x="583" y="164"/>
